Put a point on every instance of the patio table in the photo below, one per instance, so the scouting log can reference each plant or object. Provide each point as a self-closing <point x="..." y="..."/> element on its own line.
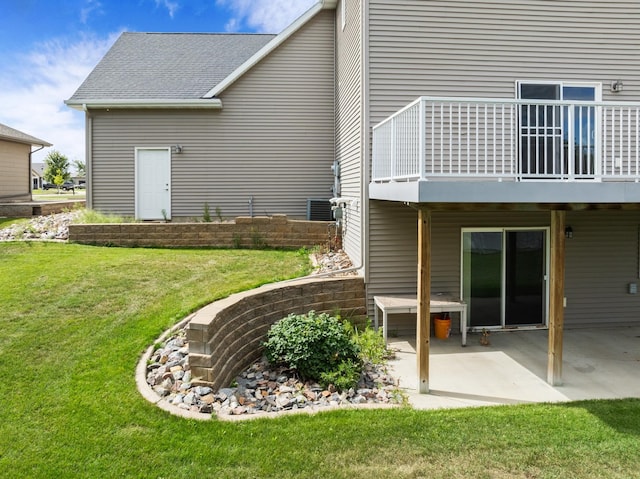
<point x="440" y="303"/>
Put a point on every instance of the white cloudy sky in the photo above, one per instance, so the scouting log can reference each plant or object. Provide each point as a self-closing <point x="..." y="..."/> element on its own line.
<point x="47" y="48"/>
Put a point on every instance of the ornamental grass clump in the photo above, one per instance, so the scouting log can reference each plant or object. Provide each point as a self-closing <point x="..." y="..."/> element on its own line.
<point x="371" y="343"/>
<point x="318" y="346"/>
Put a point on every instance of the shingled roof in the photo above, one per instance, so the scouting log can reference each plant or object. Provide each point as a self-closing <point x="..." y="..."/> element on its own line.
<point x="11" y="134"/>
<point x="169" y="66"/>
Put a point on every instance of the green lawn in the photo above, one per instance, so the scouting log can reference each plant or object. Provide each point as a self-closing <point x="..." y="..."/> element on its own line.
<point x="6" y="222"/>
<point x="53" y="195"/>
<point x="75" y="319"/>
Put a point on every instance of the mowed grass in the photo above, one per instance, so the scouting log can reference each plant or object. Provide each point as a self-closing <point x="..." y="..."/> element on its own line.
<point x="75" y="319"/>
<point x="54" y="195"/>
<point x="6" y="222"/>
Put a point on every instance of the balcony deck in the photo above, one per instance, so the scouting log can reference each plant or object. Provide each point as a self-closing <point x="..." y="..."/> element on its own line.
<point x="465" y="150"/>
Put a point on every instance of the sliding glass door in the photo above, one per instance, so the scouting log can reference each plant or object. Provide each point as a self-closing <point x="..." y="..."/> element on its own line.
<point x="504" y="276"/>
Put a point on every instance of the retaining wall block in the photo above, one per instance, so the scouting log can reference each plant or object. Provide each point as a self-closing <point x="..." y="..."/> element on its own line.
<point x="200" y="360"/>
<point x="234" y="329"/>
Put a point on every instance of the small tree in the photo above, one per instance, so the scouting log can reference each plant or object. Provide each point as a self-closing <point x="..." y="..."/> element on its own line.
<point x="81" y="167"/>
<point x="56" y="164"/>
<point x="58" y="180"/>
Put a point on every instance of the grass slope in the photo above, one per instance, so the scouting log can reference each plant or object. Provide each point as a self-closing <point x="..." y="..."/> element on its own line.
<point x="6" y="222"/>
<point x="75" y="320"/>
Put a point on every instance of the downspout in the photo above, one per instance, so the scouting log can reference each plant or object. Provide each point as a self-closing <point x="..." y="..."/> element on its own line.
<point x="335" y="141"/>
<point x="88" y="157"/>
<point x="364" y="173"/>
<point x="364" y="139"/>
<point x="31" y="168"/>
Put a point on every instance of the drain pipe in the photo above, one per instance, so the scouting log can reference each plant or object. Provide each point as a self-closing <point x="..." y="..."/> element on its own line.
<point x="345" y="201"/>
<point x="251" y="206"/>
<point x="88" y="147"/>
<point x="331" y="273"/>
<point x="31" y="167"/>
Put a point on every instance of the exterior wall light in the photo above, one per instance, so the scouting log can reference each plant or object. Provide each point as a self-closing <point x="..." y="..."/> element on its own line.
<point x="568" y="232"/>
<point x="617" y="86"/>
<point x="177" y="149"/>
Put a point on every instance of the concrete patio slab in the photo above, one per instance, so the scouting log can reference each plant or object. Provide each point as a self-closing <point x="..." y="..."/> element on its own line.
<point x="598" y="363"/>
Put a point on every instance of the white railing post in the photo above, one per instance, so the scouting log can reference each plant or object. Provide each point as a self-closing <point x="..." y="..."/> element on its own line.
<point x="571" y="153"/>
<point x="422" y="138"/>
<point x="392" y="171"/>
<point x="597" y="155"/>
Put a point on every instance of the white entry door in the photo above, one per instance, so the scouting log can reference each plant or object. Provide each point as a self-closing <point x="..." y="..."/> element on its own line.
<point x="153" y="183"/>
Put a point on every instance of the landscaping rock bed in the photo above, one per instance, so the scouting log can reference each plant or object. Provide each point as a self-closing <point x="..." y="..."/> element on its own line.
<point x="50" y="228"/>
<point x="332" y="261"/>
<point x="262" y="388"/>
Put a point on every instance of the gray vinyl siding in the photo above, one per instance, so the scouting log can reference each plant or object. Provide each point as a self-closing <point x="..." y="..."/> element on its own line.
<point x="349" y="120"/>
<point x="15" y="177"/>
<point x="392" y="261"/>
<point x="273" y="141"/>
<point x="480" y="48"/>
<point x="601" y="259"/>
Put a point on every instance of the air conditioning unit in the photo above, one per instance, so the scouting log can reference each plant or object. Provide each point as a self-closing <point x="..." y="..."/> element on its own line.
<point x="319" y="210"/>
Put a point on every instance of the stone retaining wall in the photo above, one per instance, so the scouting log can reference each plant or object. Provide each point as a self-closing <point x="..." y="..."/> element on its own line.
<point x="261" y="231"/>
<point x="225" y="337"/>
<point x="29" y="209"/>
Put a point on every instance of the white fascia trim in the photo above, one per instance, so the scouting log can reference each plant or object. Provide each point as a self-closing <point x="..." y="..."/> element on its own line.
<point x="26" y="141"/>
<point x="269" y="47"/>
<point x="197" y="103"/>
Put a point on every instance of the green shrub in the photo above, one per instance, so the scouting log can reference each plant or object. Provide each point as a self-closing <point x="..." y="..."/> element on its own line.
<point x="311" y="343"/>
<point x="371" y="343"/>
<point x="346" y="375"/>
<point x="257" y="240"/>
<point x="219" y="214"/>
<point x="206" y="215"/>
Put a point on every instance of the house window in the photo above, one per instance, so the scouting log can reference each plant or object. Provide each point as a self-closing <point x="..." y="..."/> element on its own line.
<point x="559" y="141"/>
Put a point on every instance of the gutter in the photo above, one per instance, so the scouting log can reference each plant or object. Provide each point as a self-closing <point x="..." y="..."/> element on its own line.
<point x="151" y="103"/>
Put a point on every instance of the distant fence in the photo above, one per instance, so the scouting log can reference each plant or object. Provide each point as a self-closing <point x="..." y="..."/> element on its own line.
<point x="275" y="231"/>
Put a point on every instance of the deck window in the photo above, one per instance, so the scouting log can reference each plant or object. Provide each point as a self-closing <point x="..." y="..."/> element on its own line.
<point x="559" y="141"/>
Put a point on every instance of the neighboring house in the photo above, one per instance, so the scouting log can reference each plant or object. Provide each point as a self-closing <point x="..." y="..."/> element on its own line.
<point x="79" y="180"/>
<point x="37" y="175"/>
<point x="513" y="182"/>
<point x="15" y="163"/>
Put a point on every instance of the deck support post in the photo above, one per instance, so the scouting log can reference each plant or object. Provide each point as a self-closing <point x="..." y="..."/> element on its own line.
<point x="556" y="298"/>
<point x="423" y="326"/>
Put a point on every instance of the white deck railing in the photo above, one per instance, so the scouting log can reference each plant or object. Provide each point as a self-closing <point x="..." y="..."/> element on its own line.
<point x="466" y="138"/>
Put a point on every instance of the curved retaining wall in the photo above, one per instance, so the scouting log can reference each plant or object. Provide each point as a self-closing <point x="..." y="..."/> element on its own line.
<point x="225" y="337"/>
